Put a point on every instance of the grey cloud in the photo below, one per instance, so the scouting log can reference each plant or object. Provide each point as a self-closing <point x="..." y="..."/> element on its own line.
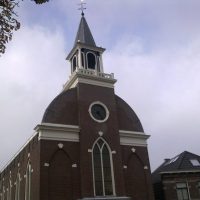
<point x="153" y="49"/>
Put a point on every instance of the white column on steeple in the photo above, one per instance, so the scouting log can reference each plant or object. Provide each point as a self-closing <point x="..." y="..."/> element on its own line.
<point x="79" y="59"/>
<point x="101" y="63"/>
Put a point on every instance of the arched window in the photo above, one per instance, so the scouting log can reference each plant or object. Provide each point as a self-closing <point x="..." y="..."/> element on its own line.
<point x="91" y="61"/>
<point x="1" y="189"/>
<point x="3" y="193"/>
<point x="102" y="169"/>
<point x="9" y="191"/>
<point x="28" y="182"/>
<point x="17" y="187"/>
<point x="74" y="63"/>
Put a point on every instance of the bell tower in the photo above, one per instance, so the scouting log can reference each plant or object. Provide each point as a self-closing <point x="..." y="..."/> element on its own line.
<point x="85" y="54"/>
<point x="86" y="59"/>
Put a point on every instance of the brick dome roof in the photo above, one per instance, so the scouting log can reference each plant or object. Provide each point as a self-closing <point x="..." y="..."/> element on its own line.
<point x="128" y="120"/>
<point x="64" y="110"/>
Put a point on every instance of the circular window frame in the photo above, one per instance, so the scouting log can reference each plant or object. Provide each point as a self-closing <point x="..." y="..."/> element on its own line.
<point x="104" y="106"/>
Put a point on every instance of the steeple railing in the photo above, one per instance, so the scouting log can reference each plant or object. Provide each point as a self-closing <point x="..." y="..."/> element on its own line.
<point x="90" y="72"/>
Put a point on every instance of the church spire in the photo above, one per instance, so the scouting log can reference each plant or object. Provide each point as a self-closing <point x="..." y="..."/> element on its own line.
<point x="84" y="34"/>
<point x="85" y="54"/>
<point x="86" y="59"/>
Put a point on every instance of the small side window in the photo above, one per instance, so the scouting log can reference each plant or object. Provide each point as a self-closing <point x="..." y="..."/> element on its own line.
<point x="82" y="60"/>
<point x="74" y="63"/>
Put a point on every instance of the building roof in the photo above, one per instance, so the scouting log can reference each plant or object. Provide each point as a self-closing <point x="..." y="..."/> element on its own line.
<point x="84" y="34"/>
<point x="184" y="162"/>
<point x="64" y="110"/>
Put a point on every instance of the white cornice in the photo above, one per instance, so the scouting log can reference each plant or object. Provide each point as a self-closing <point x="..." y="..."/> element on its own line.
<point x="59" y="132"/>
<point x="58" y="127"/>
<point x="90" y="77"/>
<point x="181" y="171"/>
<point x="132" y="132"/>
<point x="80" y="45"/>
<point x="133" y="138"/>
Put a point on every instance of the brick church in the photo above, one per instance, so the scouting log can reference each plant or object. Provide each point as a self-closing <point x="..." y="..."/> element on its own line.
<point x="90" y="144"/>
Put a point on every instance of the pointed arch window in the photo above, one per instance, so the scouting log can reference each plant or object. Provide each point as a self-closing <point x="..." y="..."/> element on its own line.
<point x="9" y="191"/>
<point x="103" y="175"/>
<point x="28" y="182"/>
<point x="1" y="189"/>
<point x="3" y="193"/>
<point x="17" y="187"/>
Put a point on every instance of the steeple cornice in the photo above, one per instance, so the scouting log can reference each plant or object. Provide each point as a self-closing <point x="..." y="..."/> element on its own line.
<point x="83" y="45"/>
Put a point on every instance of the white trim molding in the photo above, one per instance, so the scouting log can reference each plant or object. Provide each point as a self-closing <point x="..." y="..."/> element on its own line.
<point x="181" y="171"/>
<point x="58" y="132"/>
<point x="133" y="138"/>
<point x="91" y="77"/>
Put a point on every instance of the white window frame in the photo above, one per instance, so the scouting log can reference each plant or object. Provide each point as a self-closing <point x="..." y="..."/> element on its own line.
<point x="9" y="190"/>
<point x="17" y="187"/>
<point x="1" y="189"/>
<point x="105" y="107"/>
<point x="181" y="188"/>
<point x="95" y="67"/>
<point x="111" y="166"/>
<point x="3" y="193"/>
<point x="83" y="64"/>
<point x="72" y="67"/>
<point x="28" y="182"/>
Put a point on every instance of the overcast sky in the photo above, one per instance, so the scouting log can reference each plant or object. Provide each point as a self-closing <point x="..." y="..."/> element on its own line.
<point x="153" y="48"/>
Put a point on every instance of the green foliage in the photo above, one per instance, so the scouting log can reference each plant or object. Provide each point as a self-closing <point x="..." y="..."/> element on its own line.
<point x="8" y="21"/>
<point x="40" y="1"/>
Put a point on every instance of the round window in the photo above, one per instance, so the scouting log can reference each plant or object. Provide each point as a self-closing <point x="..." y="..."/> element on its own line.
<point x="99" y="112"/>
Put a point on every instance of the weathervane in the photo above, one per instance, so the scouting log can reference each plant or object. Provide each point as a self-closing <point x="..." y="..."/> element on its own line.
<point x="82" y="8"/>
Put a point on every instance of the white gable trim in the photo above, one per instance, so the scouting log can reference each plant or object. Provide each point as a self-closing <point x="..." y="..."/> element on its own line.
<point x="58" y="132"/>
<point x="133" y="138"/>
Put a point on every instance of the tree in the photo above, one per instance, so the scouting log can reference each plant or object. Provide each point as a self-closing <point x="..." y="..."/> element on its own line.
<point x="8" y="21"/>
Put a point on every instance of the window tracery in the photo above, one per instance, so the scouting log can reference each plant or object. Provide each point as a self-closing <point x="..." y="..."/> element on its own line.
<point x="17" y="187"/>
<point x="28" y="182"/>
<point x="102" y="169"/>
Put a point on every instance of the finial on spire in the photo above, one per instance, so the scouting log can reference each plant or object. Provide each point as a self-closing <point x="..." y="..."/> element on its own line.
<point x="82" y="8"/>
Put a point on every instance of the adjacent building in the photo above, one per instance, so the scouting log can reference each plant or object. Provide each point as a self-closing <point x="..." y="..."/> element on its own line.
<point x="90" y="143"/>
<point x="178" y="178"/>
